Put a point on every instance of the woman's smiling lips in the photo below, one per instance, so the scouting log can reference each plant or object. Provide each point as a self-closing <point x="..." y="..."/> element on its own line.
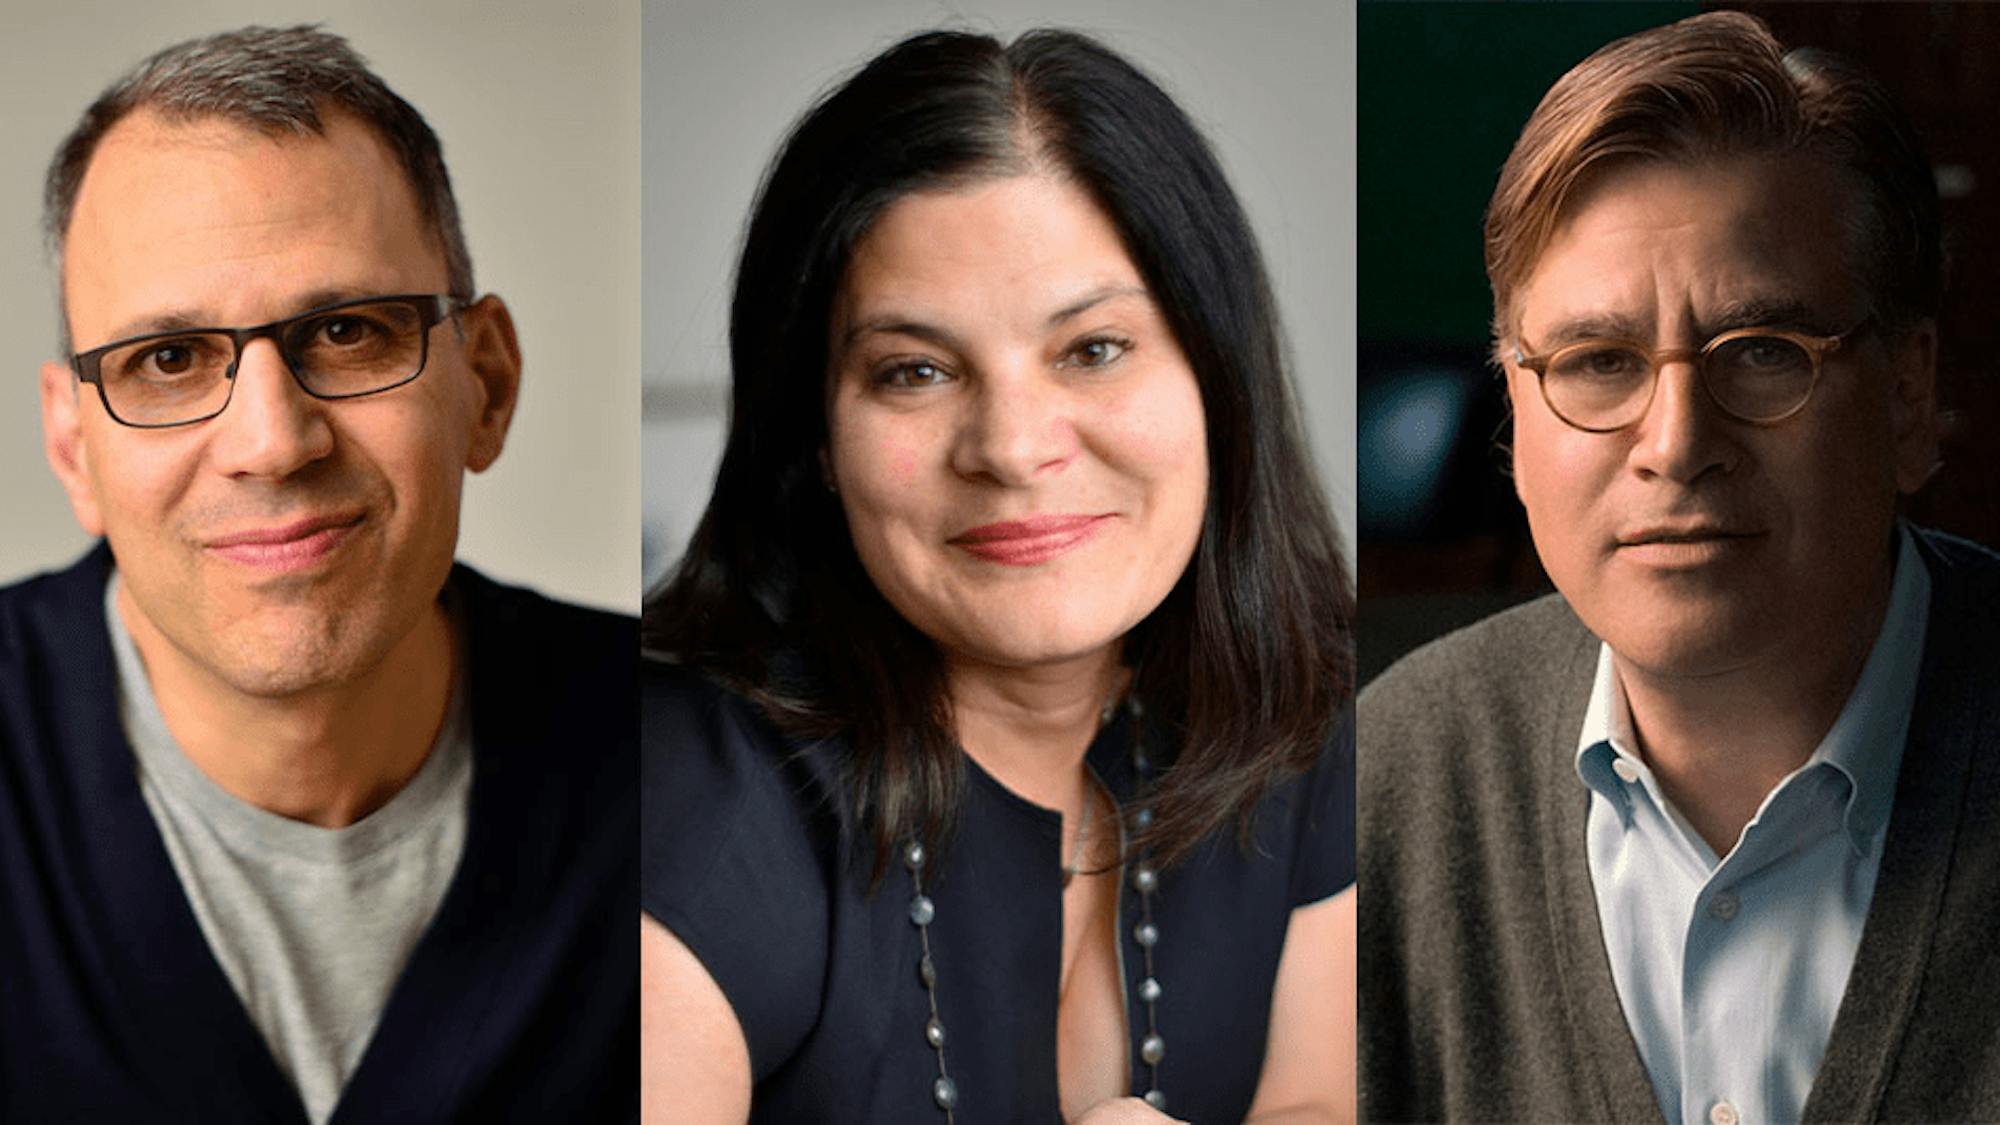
<point x="1030" y="541"/>
<point x="286" y="547"/>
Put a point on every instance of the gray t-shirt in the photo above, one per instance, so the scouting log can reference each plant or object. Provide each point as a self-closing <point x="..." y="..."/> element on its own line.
<point x="311" y="925"/>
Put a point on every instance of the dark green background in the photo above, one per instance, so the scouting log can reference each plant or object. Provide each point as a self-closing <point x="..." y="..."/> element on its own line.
<point x="1443" y="91"/>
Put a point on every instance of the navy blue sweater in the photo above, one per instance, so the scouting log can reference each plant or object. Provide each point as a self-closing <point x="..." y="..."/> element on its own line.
<point x="519" y="1002"/>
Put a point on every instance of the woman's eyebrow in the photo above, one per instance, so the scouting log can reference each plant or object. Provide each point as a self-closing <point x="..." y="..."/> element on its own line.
<point x="1095" y="298"/>
<point x="898" y="325"/>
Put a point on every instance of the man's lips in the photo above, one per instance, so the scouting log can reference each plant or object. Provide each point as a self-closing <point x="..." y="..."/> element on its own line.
<point x="1685" y="546"/>
<point x="1683" y="533"/>
<point x="1026" y="542"/>
<point x="288" y="546"/>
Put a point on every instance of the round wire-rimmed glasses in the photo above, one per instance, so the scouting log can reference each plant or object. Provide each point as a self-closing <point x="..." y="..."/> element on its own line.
<point x="339" y="351"/>
<point x="1756" y="375"/>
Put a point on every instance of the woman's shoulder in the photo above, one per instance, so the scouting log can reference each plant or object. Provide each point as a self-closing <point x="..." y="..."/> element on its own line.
<point x="715" y="757"/>
<point x="679" y="703"/>
<point x="739" y="844"/>
<point x="1312" y="816"/>
<point x="697" y="732"/>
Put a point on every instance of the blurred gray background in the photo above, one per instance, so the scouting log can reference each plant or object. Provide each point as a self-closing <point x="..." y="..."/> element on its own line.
<point x="1271" y="83"/>
<point x="538" y="108"/>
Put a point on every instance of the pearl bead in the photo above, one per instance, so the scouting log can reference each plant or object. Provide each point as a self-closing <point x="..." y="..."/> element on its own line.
<point x="944" y="1092"/>
<point x="1157" y="1100"/>
<point x="1145" y="879"/>
<point x="1145" y="933"/>
<point x="913" y="855"/>
<point x="922" y="910"/>
<point x="1149" y="990"/>
<point x="1152" y="1048"/>
<point x="934" y="1032"/>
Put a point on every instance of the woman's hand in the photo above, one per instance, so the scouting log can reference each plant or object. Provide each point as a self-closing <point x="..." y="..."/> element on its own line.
<point x="1124" y="1111"/>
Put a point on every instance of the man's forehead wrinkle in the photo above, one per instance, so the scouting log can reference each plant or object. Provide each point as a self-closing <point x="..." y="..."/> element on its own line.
<point x="344" y="205"/>
<point x="1778" y="307"/>
<point x="244" y="246"/>
<point x="1615" y="273"/>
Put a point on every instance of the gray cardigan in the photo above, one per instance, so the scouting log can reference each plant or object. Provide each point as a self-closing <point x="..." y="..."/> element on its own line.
<point x="1485" y="991"/>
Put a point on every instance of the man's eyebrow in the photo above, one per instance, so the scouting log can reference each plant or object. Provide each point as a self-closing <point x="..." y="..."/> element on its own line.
<point x="182" y="320"/>
<point x="320" y="298"/>
<point x="1766" y="312"/>
<point x="1593" y="326"/>
<point x="173" y="320"/>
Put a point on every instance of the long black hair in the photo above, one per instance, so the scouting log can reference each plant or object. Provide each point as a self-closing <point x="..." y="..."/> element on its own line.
<point x="1247" y="664"/>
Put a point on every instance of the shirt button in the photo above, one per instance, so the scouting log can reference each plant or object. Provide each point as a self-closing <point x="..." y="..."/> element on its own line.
<point x="1625" y="770"/>
<point x="1722" y="1113"/>
<point x="1723" y="907"/>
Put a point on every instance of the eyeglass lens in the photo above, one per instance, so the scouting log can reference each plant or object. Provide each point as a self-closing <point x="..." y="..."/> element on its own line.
<point x="1606" y="385"/>
<point x="339" y="353"/>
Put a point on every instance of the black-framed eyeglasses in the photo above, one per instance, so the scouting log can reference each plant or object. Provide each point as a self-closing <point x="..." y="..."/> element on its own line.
<point x="1756" y="375"/>
<point x="338" y="351"/>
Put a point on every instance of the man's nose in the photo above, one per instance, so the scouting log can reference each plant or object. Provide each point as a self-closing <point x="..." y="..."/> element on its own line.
<point x="1016" y="426"/>
<point x="271" y="427"/>
<point x="1683" y="435"/>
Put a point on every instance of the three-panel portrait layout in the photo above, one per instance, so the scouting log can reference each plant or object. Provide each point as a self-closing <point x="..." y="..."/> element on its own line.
<point x="1107" y="562"/>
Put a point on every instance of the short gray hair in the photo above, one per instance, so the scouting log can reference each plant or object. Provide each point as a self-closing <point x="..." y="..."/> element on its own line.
<point x="277" y="80"/>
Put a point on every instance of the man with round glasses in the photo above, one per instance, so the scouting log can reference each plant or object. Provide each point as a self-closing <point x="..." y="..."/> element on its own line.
<point x="297" y="819"/>
<point x="1705" y="836"/>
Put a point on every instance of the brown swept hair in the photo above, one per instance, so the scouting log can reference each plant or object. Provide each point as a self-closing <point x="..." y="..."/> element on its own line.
<point x="1246" y="666"/>
<point x="1713" y="86"/>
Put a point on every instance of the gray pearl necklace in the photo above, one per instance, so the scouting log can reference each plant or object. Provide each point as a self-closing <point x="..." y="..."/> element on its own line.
<point x="1145" y="880"/>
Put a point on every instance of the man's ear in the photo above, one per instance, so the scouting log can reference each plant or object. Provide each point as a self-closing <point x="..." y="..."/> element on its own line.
<point x="493" y="354"/>
<point x="1503" y="438"/>
<point x="1913" y="405"/>
<point x="62" y="442"/>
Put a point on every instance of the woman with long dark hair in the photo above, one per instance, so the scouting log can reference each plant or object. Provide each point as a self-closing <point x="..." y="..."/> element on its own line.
<point x="998" y="741"/>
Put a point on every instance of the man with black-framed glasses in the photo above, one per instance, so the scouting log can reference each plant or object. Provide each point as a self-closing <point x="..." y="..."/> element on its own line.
<point x="1706" y="835"/>
<point x="298" y="819"/>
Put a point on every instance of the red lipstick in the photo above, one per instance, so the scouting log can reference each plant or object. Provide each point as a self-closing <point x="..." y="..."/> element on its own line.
<point x="1030" y="541"/>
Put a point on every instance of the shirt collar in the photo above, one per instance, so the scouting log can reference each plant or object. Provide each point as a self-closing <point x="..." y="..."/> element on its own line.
<point x="1865" y="743"/>
<point x="1607" y="737"/>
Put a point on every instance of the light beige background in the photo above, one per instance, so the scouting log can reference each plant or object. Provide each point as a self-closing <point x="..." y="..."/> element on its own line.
<point x="538" y="108"/>
<point x="1270" y="82"/>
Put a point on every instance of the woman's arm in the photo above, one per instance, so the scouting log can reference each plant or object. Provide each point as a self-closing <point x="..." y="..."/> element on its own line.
<point x="1309" y="1064"/>
<point x="694" y="1065"/>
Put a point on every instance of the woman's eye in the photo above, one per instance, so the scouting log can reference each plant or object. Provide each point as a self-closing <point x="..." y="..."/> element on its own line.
<point x="912" y="376"/>
<point x="1101" y="351"/>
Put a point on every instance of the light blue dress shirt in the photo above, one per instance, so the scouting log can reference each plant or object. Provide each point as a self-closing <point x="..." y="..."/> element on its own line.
<point x="1730" y="971"/>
